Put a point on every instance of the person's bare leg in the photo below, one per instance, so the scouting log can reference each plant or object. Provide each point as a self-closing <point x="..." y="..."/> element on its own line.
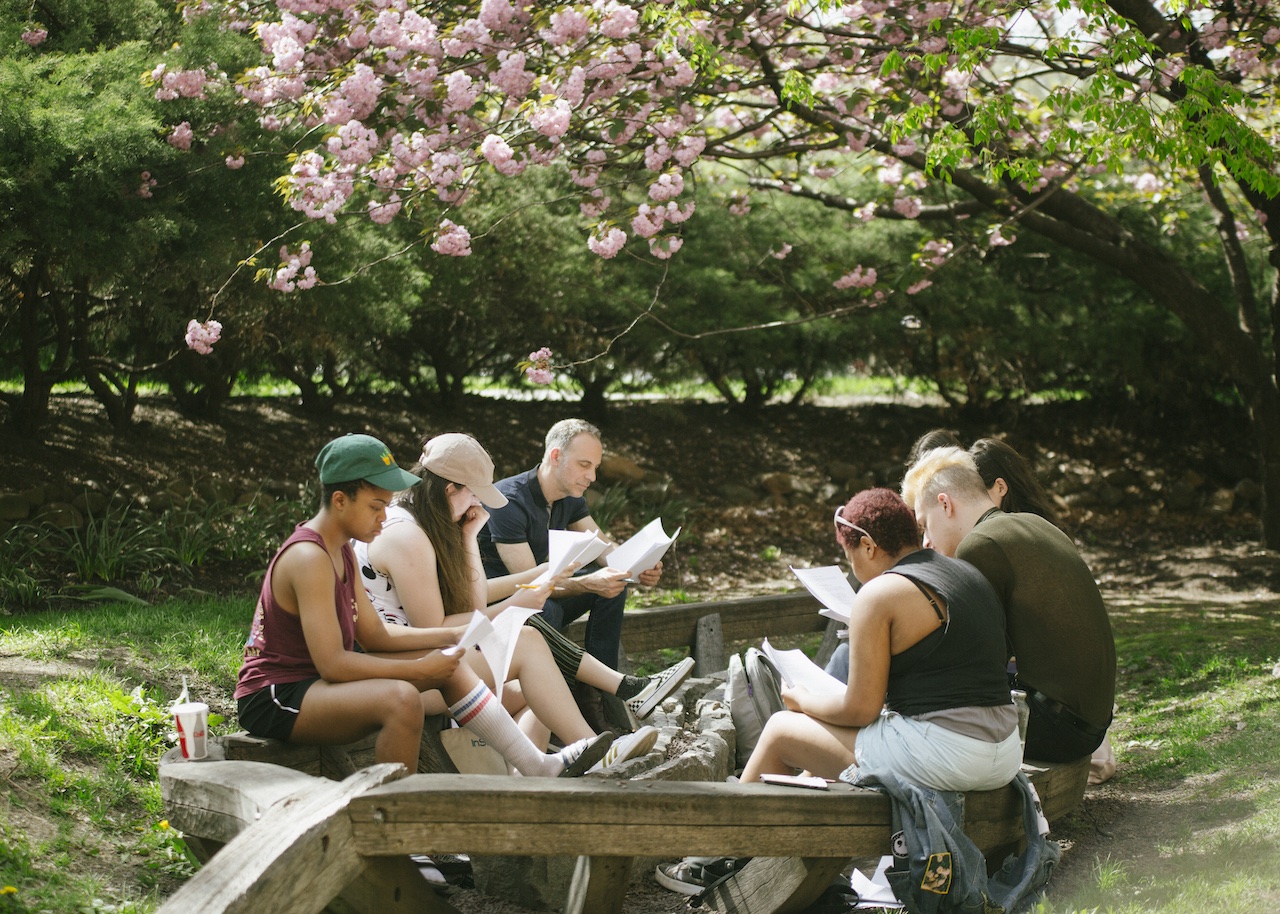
<point x="337" y="713"/>
<point x="794" y="742"/>
<point x="595" y="673"/>
<point x="544" y="688"/>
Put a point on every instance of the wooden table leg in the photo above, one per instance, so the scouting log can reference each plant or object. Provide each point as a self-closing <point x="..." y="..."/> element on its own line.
<point x="775" y="885"/>
<point x="599" y="885"/>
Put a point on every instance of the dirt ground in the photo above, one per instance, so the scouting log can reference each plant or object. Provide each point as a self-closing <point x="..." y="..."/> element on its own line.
<point x="745" y="525"/>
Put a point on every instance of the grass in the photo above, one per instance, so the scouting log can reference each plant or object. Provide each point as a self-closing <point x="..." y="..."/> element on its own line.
<point x="82" y="725"/>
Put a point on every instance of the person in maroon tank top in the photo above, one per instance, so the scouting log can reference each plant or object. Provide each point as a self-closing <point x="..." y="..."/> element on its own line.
<point x="304" y="679"/>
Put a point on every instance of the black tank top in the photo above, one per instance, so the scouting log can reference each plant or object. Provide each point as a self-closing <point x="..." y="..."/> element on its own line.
<point x="962" y="663"/>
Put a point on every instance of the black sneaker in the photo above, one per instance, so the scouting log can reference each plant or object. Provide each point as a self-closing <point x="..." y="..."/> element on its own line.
<point x="660" y="686"/>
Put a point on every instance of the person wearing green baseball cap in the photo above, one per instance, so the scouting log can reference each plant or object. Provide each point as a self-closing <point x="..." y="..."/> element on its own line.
<point x="361" y="458"/>
<point x="304" y="680"/>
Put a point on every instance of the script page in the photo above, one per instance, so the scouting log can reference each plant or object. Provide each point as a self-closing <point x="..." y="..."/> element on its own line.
<point x="566" y="547"/>
<point x="797" y="669"/>
<point x="832" y="589"/>
<point x="644" y="550"/>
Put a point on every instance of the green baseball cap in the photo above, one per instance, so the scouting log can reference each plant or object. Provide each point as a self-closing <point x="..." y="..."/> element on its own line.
<point x="354" y="457"/>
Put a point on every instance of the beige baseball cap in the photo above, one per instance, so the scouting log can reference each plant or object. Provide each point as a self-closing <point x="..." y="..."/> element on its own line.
<point x="460" y="459"/>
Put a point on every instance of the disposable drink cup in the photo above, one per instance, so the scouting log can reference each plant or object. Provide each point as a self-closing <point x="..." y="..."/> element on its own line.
<point x="192" y="719"/>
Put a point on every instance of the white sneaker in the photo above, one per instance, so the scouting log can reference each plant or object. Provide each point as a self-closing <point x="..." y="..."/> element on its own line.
<point x="625" y="748"/>
<point x="660" y="686"/>
<point x="578" y="757"/>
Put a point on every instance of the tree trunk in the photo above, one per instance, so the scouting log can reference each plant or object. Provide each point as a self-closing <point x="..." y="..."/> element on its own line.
<point x="1264" y="416"/>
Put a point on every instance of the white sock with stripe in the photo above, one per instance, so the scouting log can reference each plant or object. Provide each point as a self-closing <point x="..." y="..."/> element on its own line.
<point x="482" y="713"/>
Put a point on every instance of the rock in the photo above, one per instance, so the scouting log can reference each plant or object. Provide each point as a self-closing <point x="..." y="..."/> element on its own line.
<point x="780" y="485"/>
<point x="60" y="514"/>
<point x="735" y="493"/>
<point x="1182" y="495"/>
<point x="1108" y="495"/>
<point x="1123" y="477"/>
<point x="615" y="468"/>
<point x="542" y="883"/>
<point x="1248" y="494"/>
<point x="842" y="472"/>
<point x="1222" y="501"/>
<point x="36" y="495"/>
<point x="14" y="507"/>
<point x="91" y="503"/>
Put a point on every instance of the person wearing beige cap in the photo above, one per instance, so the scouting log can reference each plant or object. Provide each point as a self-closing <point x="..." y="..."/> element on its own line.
<point x="425" y="570"/>
<point x="302" y="678"/>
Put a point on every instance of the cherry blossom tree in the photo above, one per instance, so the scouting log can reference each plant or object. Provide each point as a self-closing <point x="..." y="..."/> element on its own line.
<point x="984" y="120"/>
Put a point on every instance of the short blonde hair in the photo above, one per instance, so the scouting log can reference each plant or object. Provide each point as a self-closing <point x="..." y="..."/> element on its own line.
<point x="944" y="469"/>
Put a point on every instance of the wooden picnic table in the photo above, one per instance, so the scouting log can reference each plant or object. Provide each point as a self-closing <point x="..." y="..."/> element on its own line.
<point x="298" y="843"/>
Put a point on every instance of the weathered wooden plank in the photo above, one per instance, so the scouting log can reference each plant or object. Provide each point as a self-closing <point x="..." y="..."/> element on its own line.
<point x="607" y="818"/>
<point x="781" y="885"/>
<point x="218" y="800"/>
<point x="295" y="858"/>
<point x="740" y="620"/>
<point x="599" y="885"/>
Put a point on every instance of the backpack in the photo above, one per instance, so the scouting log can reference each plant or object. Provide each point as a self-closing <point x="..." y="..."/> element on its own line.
<point x="753" y="694"/>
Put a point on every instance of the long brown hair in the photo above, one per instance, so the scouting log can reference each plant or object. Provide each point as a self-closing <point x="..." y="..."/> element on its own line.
<point x="428" y="502"/>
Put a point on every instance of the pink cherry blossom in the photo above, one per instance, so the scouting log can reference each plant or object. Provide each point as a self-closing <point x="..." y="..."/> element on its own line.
<point x="857" y="278"/>
<point x="997" y="240"/>
<point x="666" y="187"/>
<point x="35" y="37"/>
<point x="285" y="277"/>
<point x="551" y="120"/>
<point x="235" y="162"/>
<point x="663" y="248"/>
<point x="907" y="206"/>
<point x="606" y="241"/>
<point x="148" y="182"/>
<point x="782" y="252"/>
<point x="938" y="251"/>
<point x="382" y="213"/>
<point x="180" y="136"/>
<point x="202" y="336"/>
<point x="918" y="286"/>
<point x="452" y="240"/>
<point x="537" y="366"/>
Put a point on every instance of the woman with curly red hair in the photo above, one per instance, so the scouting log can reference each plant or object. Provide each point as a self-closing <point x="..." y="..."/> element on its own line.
<point x="927" y="695"/>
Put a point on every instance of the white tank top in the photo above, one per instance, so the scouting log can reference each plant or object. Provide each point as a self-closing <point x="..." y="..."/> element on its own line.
<point x="380" y="588"/>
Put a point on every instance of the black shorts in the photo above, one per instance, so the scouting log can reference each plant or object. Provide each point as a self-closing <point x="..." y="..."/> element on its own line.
<point x="272" y="711"/>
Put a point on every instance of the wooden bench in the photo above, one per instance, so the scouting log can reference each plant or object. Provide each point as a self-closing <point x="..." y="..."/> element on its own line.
<point x="302" y="843"/>
<point x="704" y="627"/>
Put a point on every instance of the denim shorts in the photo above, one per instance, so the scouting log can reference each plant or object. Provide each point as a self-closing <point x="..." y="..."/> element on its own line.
<point x="272" y="711"/>
<point x="933" y="756"/>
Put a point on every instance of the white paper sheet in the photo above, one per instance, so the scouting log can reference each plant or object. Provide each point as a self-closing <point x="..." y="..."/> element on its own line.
<point x="832" y="588"/>
<point x="566" y="547"/>
<point x="496" y="639"/>
<point x="797" y="669"/>
<point x="874" y="892"/>
<point x="643" y="550"/>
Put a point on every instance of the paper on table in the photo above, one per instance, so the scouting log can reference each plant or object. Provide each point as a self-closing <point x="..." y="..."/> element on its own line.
<point x="876" y="891"/>
<point x="832" y="588"/>
<point x="644" y="550"/>
<point x="566" y="547"/>
<point x="797" y="669"/>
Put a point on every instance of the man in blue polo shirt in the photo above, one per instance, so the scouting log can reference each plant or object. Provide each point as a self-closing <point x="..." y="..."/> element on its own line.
<point x="550" y="497"/>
